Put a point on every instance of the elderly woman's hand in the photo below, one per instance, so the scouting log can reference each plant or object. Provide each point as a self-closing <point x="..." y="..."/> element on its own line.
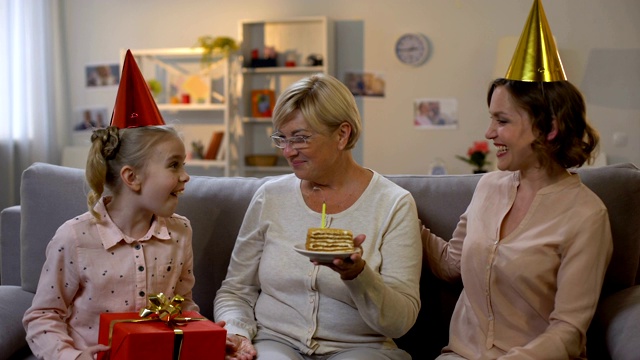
<point x="239" y="348"/>
<point x="352" y="266"/>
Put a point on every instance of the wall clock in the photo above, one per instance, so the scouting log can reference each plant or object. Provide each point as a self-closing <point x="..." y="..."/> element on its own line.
<point x="413" y="49"/>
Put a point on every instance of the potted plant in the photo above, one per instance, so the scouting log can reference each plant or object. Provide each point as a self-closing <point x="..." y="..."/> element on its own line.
<point x="477" y="156"/>
<point x="221" y="45"/>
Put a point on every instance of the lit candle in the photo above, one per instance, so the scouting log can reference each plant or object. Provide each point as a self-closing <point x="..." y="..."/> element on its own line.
<point x="324" y="214"/>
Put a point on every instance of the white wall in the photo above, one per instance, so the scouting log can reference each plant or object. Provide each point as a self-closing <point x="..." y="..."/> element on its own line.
<point x="591" y="36"/>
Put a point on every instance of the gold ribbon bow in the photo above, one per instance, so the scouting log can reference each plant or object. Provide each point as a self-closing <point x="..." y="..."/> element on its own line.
<point x="163" y="308"/>
<point x="166" y="310"/>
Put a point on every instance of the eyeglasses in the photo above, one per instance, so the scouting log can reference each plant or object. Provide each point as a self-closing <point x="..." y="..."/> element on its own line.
<point x="295" y="142"/>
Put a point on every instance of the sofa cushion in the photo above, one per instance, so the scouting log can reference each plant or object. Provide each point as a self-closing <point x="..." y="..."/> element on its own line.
<point x="215" y="207"/>
<point x="41" y="218"/>
<point x="441" y="200"/>
<point x="12" y="338"/>
<point x="10" y="246"/>
<point x="607" y="182"/>
<point x="618" y="315"/>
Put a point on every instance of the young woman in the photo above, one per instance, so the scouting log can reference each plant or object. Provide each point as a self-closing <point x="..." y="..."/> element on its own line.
<point x="534" y="244"/>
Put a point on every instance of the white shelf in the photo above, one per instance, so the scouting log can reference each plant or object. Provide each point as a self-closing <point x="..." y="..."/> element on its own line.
<point x="191" y="107"/>
<point x="257" y="120"/>
<point x="297" y="37"/>
<point x="206" y="163"/>
<point x="269" y="169"/>
<point x="282" y="70"/>
<point x="181" y="72"/>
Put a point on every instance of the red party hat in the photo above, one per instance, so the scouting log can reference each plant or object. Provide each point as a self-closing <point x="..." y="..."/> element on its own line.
<point x="135" y="106"/>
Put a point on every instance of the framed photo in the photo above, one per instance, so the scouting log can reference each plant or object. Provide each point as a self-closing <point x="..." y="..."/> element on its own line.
<point x="101" y="75"/>
<point x="431" y="113"/>
<point x="364" y="83"/>
<point x="262" y="102"/>
<point x="89" y="118"/>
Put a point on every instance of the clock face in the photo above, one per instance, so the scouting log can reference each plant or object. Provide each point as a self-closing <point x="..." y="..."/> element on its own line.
<point x="412" y="49"/>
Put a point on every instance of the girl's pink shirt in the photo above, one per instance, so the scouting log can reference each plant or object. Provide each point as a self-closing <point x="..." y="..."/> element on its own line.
<point x="92" y="268"/>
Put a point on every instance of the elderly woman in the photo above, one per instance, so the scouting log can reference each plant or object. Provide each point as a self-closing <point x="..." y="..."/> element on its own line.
<point x="279" y="304"/>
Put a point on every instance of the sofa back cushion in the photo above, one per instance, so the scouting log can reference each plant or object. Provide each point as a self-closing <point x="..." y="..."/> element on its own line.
<point x="216" y="208"/>
<point x="619" y="188"/>
<point x="49" y="196"/>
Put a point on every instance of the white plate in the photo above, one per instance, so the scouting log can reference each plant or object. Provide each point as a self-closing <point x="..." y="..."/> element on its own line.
<point x="322" y="257"/>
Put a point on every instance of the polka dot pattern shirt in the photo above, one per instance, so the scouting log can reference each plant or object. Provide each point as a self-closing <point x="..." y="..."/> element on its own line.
<point x="93" y="267"/>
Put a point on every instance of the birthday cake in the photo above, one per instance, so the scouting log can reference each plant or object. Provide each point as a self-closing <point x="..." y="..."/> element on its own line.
<point x="329" y="240"/>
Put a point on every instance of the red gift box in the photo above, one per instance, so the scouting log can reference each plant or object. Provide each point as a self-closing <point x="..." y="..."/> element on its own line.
<point x="134" y="338"/>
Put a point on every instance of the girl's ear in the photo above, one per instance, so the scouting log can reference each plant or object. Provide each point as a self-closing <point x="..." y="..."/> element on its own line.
<point x="130" y="178"/>
<point x="554" y="130"/>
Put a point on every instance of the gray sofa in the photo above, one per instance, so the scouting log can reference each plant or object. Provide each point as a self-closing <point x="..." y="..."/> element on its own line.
<point x="52" y="194"/>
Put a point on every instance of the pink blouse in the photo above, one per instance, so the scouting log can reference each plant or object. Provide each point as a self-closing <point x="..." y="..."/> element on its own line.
<point x="93" y="268"/>
<point x="533" y="293"/>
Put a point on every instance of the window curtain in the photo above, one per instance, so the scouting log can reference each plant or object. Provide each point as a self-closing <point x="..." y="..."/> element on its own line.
<point x="32" y="89"/>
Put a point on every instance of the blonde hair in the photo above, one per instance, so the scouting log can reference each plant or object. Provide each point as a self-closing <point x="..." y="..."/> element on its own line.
<point x="324" y="102"/>
<point x="112" y="149"/>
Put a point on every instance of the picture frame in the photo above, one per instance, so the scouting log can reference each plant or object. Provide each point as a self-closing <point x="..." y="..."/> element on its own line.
<point x="262" y="102"/>
<point x="90" y="118"/>
<point x="365" y="83"/>
<point x="101" y="75"/>
<point x="435" y="113"/>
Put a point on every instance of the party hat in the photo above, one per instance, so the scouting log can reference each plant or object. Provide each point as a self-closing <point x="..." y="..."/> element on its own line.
<point x="536" y="57"/>
<point x="134" y="106"/>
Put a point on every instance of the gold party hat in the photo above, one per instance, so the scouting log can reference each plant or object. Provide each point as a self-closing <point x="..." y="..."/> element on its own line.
<point x="536" y="57"/>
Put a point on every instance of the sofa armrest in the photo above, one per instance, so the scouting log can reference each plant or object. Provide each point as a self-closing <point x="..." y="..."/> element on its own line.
<point x="619" y="316"/>
<point x="10" y="246"/>
<point x="13" y="303"/>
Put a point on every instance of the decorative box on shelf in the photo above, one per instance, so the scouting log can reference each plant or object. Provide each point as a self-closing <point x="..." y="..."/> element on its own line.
<point x="263" y="63"/>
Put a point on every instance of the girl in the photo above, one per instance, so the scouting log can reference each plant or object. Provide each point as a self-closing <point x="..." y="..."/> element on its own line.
<point x="128" y="245"/>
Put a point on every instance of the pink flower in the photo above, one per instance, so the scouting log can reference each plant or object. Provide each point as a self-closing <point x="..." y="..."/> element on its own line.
<point x="477" y="155"/>
<point x="479" y="146"/>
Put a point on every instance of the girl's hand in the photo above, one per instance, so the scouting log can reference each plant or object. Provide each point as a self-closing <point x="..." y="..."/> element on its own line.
<point x="88" y="353"/>
<point x="239" y="348"/>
